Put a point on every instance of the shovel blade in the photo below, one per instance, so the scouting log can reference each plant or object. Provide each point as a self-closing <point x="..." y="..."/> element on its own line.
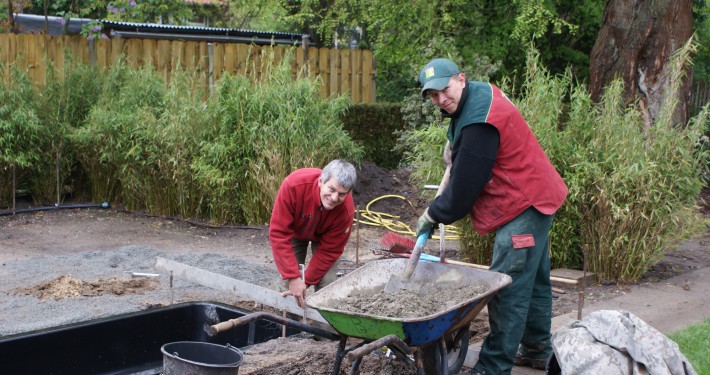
<point x="397" y="283"/>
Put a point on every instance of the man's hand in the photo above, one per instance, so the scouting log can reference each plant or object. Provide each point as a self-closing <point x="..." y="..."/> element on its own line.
<point x="297" y="289"/>
<point x="425" y="225"/>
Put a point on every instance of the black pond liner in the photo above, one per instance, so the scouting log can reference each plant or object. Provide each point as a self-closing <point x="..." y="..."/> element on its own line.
<point x="127" y="343"/>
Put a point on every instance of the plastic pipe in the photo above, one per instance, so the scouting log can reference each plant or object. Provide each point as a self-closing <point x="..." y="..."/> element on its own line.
<point x="55" y="207"/>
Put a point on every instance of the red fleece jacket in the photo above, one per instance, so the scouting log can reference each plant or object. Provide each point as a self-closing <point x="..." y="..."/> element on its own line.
<point x="298" y="214"/>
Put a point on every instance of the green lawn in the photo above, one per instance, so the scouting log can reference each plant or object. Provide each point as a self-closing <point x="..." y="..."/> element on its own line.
<point x="694" y="343"/>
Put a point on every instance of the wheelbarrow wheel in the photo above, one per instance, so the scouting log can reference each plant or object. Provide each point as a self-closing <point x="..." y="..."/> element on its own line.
<point x="446" y="355"/>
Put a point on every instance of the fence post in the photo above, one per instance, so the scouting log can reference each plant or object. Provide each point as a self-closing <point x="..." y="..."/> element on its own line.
<point x="92" y="52"/>
<point x="210" y="66"/>
<point x="304" y="44"/>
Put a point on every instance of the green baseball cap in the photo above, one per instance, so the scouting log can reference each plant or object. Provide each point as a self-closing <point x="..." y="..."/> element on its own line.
<point x="436" y="74"/>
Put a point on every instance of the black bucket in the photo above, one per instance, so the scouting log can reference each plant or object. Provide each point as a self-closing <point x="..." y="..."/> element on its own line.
<point x="200" y="358"/>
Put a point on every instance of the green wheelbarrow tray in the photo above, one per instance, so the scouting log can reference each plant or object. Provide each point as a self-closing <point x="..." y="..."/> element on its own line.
<point x="412" y="331"/>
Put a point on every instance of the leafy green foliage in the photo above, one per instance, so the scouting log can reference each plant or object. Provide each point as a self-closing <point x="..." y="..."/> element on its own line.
<point x="375" y="127"/>
<point x="115" y="145"/>
<point x="62" y="106"/>
<point x="264" y="126"/>
<point x="701" y="25"/>
<point x="154" y="11"/>
<point x="404" y="35"/>
<point x="21" y="130"/>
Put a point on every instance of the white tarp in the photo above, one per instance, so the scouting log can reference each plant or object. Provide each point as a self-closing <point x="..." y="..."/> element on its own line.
<point x="616" y="342"/>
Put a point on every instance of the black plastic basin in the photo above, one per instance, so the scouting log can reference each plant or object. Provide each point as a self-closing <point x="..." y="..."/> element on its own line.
<point x="127" y="343"/>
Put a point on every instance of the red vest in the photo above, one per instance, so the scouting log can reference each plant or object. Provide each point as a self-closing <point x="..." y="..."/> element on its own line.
<point x="522" y="174"/>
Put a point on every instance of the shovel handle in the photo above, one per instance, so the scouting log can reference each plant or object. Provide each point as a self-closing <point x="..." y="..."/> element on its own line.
<point x="414" y="258"/>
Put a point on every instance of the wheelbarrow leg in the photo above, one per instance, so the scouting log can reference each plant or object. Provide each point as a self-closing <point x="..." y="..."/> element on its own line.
<point x="339" y="355"/>
<point x="356" y="366"/>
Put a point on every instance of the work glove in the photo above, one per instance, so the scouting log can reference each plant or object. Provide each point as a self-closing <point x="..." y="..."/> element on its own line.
<point x="425" y="224"/>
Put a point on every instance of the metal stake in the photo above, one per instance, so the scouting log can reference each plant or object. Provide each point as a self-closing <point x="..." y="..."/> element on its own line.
<point x="171" y="288"/>
<point x="357" y="237"/>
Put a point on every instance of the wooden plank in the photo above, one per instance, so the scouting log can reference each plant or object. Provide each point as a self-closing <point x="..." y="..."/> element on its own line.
<point x="190" y="55"/>
<point x="149" y="52"/>
<point x="102" y="53"/>
<point x="233" y="59"/>
<point x="163" y="58"/>
<point x="176" y="61"/>
<point x="133" y="52"/>
<point x="324" y="71"/>
<point x="368" y="77"/>
<point x="117" y="46"/>
<point x="313" y="70"/>
<point x="243" y="60"/>
<point x="566" y="277"/>
<point x="334" y="71"/>
<point x="345" y="67"/>
<point x="357" y="76"/>
<point x="218" y="59"/>
<point x="238" y="288"/>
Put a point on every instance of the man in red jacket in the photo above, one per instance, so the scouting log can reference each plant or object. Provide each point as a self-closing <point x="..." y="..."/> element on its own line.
<point x="314" y="206"/>
<point x="502" y="178"/>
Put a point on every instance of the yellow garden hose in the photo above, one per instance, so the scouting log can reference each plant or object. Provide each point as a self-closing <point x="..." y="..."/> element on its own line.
<point x="391" y="222"/>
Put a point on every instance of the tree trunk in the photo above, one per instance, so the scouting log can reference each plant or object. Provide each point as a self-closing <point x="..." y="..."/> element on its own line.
<point x="635" y="43"/>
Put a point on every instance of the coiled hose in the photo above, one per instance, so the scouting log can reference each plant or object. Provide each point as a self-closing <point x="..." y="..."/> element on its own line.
<point x="392" y="222"/>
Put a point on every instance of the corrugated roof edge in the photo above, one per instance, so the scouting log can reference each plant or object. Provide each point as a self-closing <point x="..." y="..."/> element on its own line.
<point x="152" y="27"/>
<point x="36" y="23"/>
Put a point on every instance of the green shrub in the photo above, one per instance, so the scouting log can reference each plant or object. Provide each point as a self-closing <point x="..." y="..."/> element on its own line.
<point x="62" y="106"/>
<point x="374" y="127"/>
<point x="21" y="132"/>
<point x="114" y="146"/>
<point x="264" y="126"/>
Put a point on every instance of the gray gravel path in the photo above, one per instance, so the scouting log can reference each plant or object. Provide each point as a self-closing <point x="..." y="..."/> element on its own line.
<point x="23" y="313"/>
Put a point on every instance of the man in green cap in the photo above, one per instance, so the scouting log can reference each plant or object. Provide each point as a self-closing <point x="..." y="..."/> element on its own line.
<point x="503" y="179"/>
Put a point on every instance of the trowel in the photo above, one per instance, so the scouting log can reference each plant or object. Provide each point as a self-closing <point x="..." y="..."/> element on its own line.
<point x="403" y="281"/>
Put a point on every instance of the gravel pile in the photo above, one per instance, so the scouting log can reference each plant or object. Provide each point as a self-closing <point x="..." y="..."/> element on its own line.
<point x="22" y="313"/>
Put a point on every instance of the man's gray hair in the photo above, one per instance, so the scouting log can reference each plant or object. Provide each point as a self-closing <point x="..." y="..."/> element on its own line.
<point x="344" y="173"/>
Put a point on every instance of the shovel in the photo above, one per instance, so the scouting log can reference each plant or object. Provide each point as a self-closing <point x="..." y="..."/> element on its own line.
<point x="403" y="281"/>
<point x="397" y="282"/>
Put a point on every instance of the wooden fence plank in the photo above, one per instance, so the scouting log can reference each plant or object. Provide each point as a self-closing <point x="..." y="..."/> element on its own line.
<point x="324" y="71"/>
<point x="103" y="51"/>
<point x="4" y="50"/>
<point x="368" y="77"/>
<point x="334" y="82"/>
<point x="220" y="51"/>
<point x="345" y="78"/>
<point x="231" y="59"/>
<point x="148" y="52"/>
<point x="241" y="59"/>
<point x="356" y="76"/>
<point x="313" y="70"/>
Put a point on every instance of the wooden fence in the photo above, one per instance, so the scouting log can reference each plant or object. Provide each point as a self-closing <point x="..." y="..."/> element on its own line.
<point x="342" y="71"/>
<point x="699" y="96"/>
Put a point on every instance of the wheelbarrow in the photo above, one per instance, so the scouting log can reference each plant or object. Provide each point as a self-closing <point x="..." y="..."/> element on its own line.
<point x="438" y="342"/>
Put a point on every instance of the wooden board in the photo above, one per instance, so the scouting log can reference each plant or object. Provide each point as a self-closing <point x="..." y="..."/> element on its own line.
<point x="567" y="277"/>
<point x="237" y="288"/>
